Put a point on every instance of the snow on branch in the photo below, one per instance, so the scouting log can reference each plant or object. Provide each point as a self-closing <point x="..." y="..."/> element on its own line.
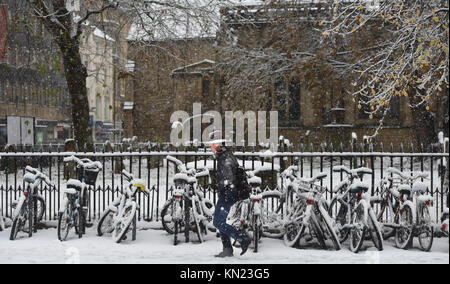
<point x="413" y="58"/>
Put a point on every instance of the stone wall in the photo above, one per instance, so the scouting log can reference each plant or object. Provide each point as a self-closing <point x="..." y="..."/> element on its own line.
<point x="157" y="94"/>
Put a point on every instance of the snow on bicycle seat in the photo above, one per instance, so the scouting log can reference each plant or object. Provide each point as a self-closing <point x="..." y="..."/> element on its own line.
<point x="359" y="186"/>
<point x="255" y="181"/>
<point x="404" y="189"/>
<point x="191" y="180"/>
<point x="420" y="186"/>
<point x="74" y="184"/>
<point x="318" y="177"/>
<point x="29" y="178"/>
<point x="407" y="175"/>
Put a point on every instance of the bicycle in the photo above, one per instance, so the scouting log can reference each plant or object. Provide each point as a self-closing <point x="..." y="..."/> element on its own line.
<point x="308" y="214"/>
<point x="188" y="209"/>
<point x="410" y="216"/>
<point x="120" y="216"/>
<point x="355" y="216"/>
<point x="73" y="211"/>
<point x="30" y="207"/>
<point x="246" y="215"/>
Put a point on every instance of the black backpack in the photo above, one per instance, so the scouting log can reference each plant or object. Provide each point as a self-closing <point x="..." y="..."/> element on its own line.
<point x="243" y="189"/>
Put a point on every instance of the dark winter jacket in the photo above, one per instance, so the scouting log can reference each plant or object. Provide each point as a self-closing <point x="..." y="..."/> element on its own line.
<point x="227" y="166"/>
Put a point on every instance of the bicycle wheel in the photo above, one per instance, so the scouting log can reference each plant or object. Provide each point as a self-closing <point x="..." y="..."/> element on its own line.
<point x="272" y="216"/>
<point x="2" y="222"/>
<point x="197" y="217"/>
<point x="30" y="205"/>
<point x="134" y="229"/>
<point x="19" y="220"/>
<point x="385" y="215"/>
<point x="330" y="231"/>
<point x="64" y="223"/>
<point x="375" y="231"/>
<point x="105" y="224"/>
<point x="404" y="232"/>
<point x="166" y="217"/>
<point x="40" y="208"/>
<point x="426" y="230"/>
<point x="81" y="222"/>
<point x="123" y="224"/>
<point x="318" y="232"/>
<point x="175" y="234"/>
<point x="257" y="230"/>
<point x="358" y="230"/>
<point x="338" y="212"/>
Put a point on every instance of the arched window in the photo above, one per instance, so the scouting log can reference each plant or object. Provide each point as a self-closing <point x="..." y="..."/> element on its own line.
<point x="287" y="95"/>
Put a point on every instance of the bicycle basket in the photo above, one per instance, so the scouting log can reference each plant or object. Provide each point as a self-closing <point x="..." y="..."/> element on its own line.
<point x="90" y="176"/>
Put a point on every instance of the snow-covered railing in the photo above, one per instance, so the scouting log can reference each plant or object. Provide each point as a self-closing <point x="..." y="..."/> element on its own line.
<point x="150" y="166"/>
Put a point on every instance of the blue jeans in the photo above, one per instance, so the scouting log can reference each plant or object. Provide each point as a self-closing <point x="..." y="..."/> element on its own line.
<point x="226" y="200"/>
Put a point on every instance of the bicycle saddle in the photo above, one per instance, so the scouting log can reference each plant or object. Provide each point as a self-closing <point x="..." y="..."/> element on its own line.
<point x="404" y="189"/>
<point x="74" y="184"/>
<point x="191" y="180"/>
<point x="358" y="187"/>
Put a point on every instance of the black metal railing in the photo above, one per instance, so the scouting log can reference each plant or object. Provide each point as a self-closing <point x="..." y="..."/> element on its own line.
<point x="148" y="163"/>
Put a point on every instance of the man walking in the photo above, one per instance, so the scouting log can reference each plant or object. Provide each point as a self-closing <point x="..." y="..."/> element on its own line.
<point x="227" y="166"/>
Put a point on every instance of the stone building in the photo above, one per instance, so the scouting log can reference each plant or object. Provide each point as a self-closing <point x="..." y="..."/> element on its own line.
<point x="31" y="84"/>
<point x="104" y="52"/>
<point x="31" y="80"/>
<point x="308" y="113"/>
<point x="164" y="83"/>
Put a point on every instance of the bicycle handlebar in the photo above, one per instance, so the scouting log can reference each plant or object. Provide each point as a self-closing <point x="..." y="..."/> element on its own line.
<point x="38" y="175"/>
<point x="129" y="177"/>
<point x="408" y="176"/>
<point x="357" y="171"/>
<point x="203" y="173"/>
<point x="84" y="163"/>
<point x="181" y="167"/>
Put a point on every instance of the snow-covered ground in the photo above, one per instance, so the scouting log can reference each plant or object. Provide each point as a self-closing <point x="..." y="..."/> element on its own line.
<point x="154" y="245"/>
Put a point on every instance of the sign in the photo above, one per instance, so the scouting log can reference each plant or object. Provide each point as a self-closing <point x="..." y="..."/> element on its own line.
<point x="3" y="33"/>
<point x="59" y="128"/>
<point x="20" y="130"/>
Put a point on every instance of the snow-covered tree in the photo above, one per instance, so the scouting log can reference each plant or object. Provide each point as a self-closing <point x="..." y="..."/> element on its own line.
<point x="407" y="55"/>
<point x="66" y="28"/>
<point x="149" y="20"/>
<point x="267" y="48"/>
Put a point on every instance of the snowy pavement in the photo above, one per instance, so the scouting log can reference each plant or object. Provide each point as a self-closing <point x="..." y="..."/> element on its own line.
<point x="155" y="246"/>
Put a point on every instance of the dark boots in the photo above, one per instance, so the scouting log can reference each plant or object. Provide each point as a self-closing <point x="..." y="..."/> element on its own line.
<point x="227" y="252"/>
<point x="245" y="244"/>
